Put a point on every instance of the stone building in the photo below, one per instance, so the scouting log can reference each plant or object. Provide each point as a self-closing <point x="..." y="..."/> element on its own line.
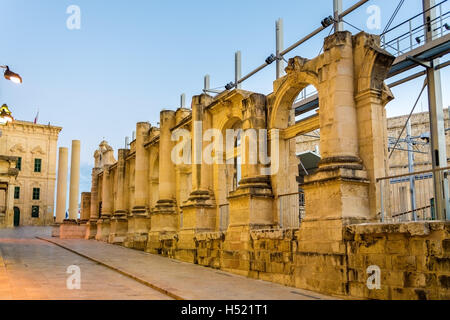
<point x="34" y="146"/>
<point x="163" y="196"/>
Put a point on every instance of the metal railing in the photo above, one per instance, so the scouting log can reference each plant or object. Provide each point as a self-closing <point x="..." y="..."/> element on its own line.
<point x="224" y="216"/>
<point x="410" y="196"/>
<point x="291" y="210"/>
<point x="410" y="34"/>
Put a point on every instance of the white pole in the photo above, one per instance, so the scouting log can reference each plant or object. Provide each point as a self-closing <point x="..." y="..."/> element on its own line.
<point x="337" y="9"/>
<point x="237" y="69"/>
<point x="279" y="46"/>
<point x="206" y="83"/>
<point x="183" y="101"/>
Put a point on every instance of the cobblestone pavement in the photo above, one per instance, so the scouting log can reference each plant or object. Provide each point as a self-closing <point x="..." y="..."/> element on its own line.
<point x="32" y="269"/>
<point x="184" y="280"/>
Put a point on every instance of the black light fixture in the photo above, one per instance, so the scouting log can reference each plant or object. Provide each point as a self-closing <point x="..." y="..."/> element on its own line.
<point x="11" y="76"/>
<point x="328" y="21"/>
<point x="446" y="26"/>
<point x="229" y="86"/>
<point x="270" y="59"/>
<point x="418" y="40"/>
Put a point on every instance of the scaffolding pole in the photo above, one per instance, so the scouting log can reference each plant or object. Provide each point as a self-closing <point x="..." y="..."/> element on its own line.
<point x="412" y="181"/>
<point x="337" y="10"/>
<point x="438" y="143"/>
<point x="279" y="46"/>
<point x="237" y="69"/>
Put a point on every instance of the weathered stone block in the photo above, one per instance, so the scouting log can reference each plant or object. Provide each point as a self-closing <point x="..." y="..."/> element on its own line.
<point x="406" y="263"/>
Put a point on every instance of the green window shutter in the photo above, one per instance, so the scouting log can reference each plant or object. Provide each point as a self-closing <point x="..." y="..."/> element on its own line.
<point x="36" y="193"/>
<point x="37" y="165"/>
<point x="16" y="193"/>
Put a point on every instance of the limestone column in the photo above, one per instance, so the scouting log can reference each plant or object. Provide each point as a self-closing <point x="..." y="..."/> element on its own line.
<point x="201" y="171"/>
<point x="372" y="95"/>
<point x="254" y="120"/>
<point x="61" y="194"/>
<point x="85" y="206"/>
<point x="166" y="166"/>
<point x="141" y="170"/>
<point x="91" y="231"/>
<point x="199" y="212"/>
<point x="338" y="120"/>
<point x="74" y="180"/>
<point x="120" y="197"/>
<point x="94" y="195"/>
<point x="341" y="174"/>
<point x="119" y="222"/>
<point x="107" y="205"/>
<point x="164" y="218"/>
<point x="140" y="218"/>
<point x="251" y="204"/>
<point x="104" y="223"/>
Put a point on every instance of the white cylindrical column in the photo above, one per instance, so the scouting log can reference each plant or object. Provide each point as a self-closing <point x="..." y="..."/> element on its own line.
<point x="61" y="193"/>
<point x="74" y="180"/>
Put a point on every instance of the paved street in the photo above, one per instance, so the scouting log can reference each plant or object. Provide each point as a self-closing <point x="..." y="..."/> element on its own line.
<point x="35" y="269"/>
<point x="32" y="268"/>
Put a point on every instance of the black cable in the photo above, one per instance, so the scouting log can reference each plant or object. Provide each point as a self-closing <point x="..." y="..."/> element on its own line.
<point x="394" y="15"/>
<point x="409" y="117"/>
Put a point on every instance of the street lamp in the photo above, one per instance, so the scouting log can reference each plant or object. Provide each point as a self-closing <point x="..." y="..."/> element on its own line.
<point x="11" y="76"/>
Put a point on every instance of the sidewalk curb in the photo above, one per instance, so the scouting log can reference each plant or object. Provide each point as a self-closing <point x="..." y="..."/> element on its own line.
<point x="144" y="282"/>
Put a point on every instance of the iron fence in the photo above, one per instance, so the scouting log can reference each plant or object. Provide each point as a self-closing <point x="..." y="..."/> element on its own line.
<point x="291" y="210"/>
<point x="410" y="196"/>
<point x="410" y="34"/>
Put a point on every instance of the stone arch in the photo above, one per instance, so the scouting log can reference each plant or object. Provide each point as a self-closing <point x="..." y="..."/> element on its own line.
<point x="300" y="74"/>
<point x="224" y="173"/>
<point x="283" y="98"/>
<point x="374" y="66"/>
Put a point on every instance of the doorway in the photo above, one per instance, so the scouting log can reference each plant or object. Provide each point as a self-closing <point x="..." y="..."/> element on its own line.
<point x="16" y="217"/>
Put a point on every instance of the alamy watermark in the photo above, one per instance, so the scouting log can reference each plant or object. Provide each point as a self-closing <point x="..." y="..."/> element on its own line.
<point x="374" y="20"/>
<point x="374" y="280"/>
<point x="73" y="282"/>
<point x="251" y="146"/>
<point x="73" y="22"/>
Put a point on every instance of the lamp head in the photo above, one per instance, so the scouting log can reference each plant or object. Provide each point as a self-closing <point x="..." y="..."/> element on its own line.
<point x="12" y="76"/>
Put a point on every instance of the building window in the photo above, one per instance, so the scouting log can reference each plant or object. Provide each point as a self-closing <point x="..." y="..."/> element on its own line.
<point x="19" y="164"/>
<point x="37" y="165"/>
<point x="36" y="193"/>
<point x="16" y="193"/>
<point x="35" y="211"/>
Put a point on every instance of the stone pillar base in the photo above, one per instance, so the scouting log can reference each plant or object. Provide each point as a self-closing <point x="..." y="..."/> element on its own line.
<point x="91" y="229"/>
<point x="199" y="215"/>
<point x="119" y="229"/>
<point x="165" y="222"/>
<point x="186" y="246"/>
<point x="163" y="243"/>
<point x="338" y="193"/>
<point x="237" y="245"/>
<point x="70" y="229"/>
<point x="103" y="229"/>
<point x="252" y="204"/>
<point x="153" y="243"/>
<point x="336" y="196"/>
<point x="55" y="230"/>
<point x="137" y="235"/>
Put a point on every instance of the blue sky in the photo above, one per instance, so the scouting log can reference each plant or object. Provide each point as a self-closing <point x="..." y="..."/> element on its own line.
<point x="130" y="59"/>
